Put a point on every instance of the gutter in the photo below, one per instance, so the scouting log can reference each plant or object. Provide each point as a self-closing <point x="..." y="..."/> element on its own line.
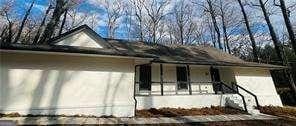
<point x="70" y="54"/>
<point x="224" y="64"/>
<point x="135" y="110"/>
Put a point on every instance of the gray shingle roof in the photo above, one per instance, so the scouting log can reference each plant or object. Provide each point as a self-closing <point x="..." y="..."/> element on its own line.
<point x="181" y="54"/>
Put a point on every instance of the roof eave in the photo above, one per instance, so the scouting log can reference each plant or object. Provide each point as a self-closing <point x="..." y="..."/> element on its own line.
<point x="266" y="66"/>
<point x="73" y="53"/>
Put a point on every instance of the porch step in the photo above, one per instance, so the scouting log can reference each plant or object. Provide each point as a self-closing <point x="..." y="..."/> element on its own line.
<point x="233" y="103"/>
<point x="253" y="111"/>
<point x="237" y="102"/>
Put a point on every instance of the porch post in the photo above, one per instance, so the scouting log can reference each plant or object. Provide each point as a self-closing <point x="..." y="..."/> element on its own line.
<point x="188" y="79"/>
<point x="161" y="79"/>
<point x="135" y="81"/>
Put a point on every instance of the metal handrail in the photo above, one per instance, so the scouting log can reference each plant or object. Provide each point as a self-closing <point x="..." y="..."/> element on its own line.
<point x="221" y="86"/>
<point x="195" y="83"/>
<point x="178" y="81"/>
<point x="243" y="98"/>
<point x="256" y="99"/>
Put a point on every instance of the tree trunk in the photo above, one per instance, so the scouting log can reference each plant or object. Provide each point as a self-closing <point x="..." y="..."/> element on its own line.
<point x="63" y="22"/>
<point x="277" y="45"/>
<point x="154" y="34"/>
<point x="8" y="38"/>
<point x="212" y="13"/>
<point x="23" y="22"/>
<point x="60" y="8"/>
<point x="110" y="31"/>
<point x="181" y="35"/>
<point x="272" y="32"/>
<point x="226" y="40"/>
<point x="213" y="37"/>
<point x="171" y="38"/>
<point x="3" y="34"/>
<point x="36" y="38"/>
<point x="141" y="30"/>
<point x="247" y="23"/>
<point x="288" y="24"/>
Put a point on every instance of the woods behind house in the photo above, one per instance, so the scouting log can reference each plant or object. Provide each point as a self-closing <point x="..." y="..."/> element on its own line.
<point x="254" y="30"/>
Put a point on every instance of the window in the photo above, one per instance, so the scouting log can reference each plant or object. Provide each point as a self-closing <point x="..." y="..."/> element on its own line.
<point x="145" y="77"/>
<point x="182" y="78"/>
<point x="215" y="78"/>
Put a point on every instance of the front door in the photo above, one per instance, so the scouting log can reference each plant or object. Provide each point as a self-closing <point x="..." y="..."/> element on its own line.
<point x="215" y="78"/>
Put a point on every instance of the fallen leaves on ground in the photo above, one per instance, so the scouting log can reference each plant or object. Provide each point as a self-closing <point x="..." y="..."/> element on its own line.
<point x="174" y="112"/>
<point x="286" y="111"/>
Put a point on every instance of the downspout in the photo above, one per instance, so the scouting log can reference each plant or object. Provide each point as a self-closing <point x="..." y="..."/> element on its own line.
<point x="135" y="77"/>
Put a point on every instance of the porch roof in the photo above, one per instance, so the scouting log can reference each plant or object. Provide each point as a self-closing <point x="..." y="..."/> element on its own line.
<point x="181" y="54"/>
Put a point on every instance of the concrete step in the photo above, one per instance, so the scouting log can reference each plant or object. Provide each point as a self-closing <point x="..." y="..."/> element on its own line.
<point x="233" y="103"/>
<point x="238" y="103"/>
<point x="254" y="111"/>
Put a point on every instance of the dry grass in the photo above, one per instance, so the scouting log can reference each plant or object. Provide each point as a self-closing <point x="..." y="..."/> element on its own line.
<point x="173" y="112"/>
<point x="14" y="114"/>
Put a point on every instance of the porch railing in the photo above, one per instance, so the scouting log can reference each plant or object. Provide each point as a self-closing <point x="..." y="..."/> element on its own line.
<point x="171" y="88"/>
<point x="222" y="85"/>
<point x="237" y="87"/>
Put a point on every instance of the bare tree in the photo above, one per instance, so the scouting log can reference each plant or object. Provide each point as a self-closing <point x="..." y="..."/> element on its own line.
<point x="210" y="9"/>
<point x="3" y="32"/>
<point x="28" y="31"/>
<point x="223" y="8"/>
<point x="183" y="14"/>
<point x="212" y="32"/>
<point x="114" y="10"/>
<point x="251" y="36"/>
<point x="128" y="25"/>
<point x="201" y="37"/>
<point x="278" y="47"/>
<point x="7" y="32"/>
<point x="285" y="13"/>
<point x="23" y="22"/>
<point x="63" y="22"/>
<point x="155" y="11"/>
<point x="9" y="38"/>
<point x="41" y="26"/>
<point x="93" y="20"/>
<point x="272" y="33"/>
<point x="60" y="7"/>
<point x="139" y="14"/>
<point x="76" y="18"/>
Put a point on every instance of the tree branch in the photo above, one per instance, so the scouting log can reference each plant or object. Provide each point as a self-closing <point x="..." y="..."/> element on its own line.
<point x="275" y="4"/>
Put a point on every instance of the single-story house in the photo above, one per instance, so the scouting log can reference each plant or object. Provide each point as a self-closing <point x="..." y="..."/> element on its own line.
<point x="83" y="73"/>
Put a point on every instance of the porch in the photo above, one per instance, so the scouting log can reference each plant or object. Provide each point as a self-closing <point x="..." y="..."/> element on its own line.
<point x="159" y="85"/>
<point x="160" y="79"/>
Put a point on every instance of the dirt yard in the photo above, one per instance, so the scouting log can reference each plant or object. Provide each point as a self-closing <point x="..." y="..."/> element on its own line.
<point x="173" y="112"/>
<point x="288" y="115"/>
<point x="286" y="111"/>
